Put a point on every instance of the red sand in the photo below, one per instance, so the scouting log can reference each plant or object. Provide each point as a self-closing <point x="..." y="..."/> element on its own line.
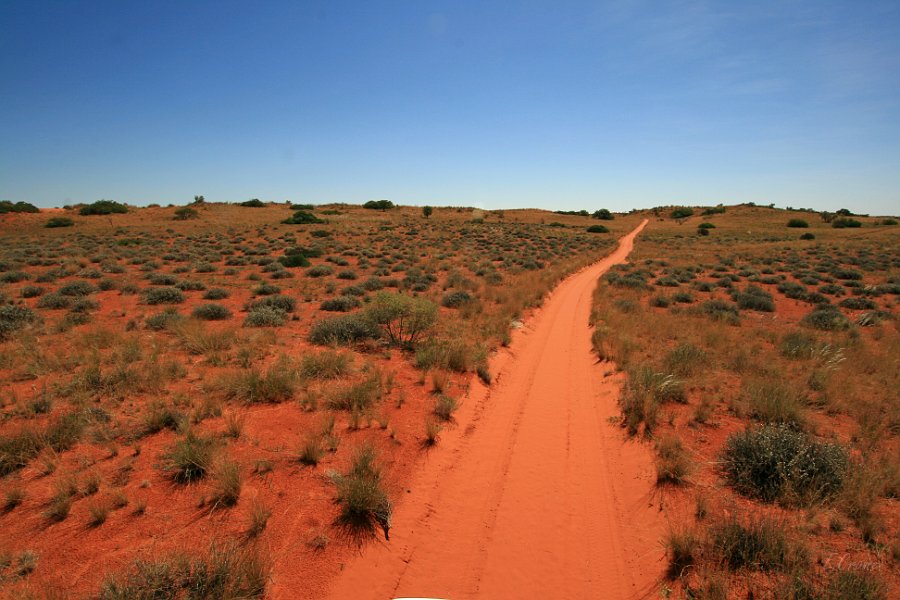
<point x="536" y="493"/>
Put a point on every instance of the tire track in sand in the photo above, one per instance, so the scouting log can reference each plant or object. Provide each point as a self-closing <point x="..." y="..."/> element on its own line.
<point x="536" y="494"/>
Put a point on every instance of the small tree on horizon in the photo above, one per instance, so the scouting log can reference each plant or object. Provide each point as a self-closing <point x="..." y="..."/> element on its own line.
<point x="426" y="211"/>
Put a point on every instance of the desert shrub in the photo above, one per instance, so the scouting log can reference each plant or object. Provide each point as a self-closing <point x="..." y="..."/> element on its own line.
<point x="59" y="222"/>
<point x="379" y="204"/>
<point x="190" y="458"/>
<point x="359" y="396"/>
<point x="826" y="318"/>
<point x="319" y="271"/>
<point x="603" y="214"/>
<point x="211" y="312"/>
<point x="163" y="320"/>
<point x="854" y="584"/>
<point x="162" y="279"/>
<point x="163" y="295"/>
<point x="682" y="297"/>
<point x="343" y="329"/>
<point x="103" y="207"/>
<point x="808" y="236"/>
<point x="660" y="301"/>
<point x="772" y="401"/>
<point x="456" y="299"/>
<point x="754" y="298"/>
<point x="364" y="503"/>
<point x="325" y="365"/>
<point x="14" y="277"/>
<point x="672" y="461"/>
<point x="645" y="392"/>
<point x="13" y="318"/>
<point x="311" y="450"/>
<point x="760" y="545"/>
<point x="159" y="416"/>
<point x="226" y="573"/>
<point x="340" y="304"/>
<point x="266" y="289"/>
<point x="226" y="483"/>
<point x="253" y="203"/>
<point x="846" y="274"/>
<point x="681" y="212"/>
<point x="402" y="319"/>
<point x="857" y="303"/>
<point x="798" y="345"/>
<point x="777" y="463"/>
<point x="706" y="226"/>
<point x="54" y="301"/>
<point x="276" y="384"/>
<point x="445" y="406"/>
<point x="216" y="294"/>
<point x="189" y="285"/>
<point x="800" y="223"/>
<point x="348" y="275"/>
<point x="265" y="316"/>
<point x="684" y="549"/>
<point x="684" y="360"/>
<point x="277" y="301"/>
<point x="454" y="355"/>
<point x="293" y="260"/>
<point x="302" y="217"/>
<point x="17" y="450"/>
<point x="843" y="222"/>
<point x="185" y="213"/>
<point x="7" y="206"/>
<point x="720" y="310"/>
<point x="77" y="289"/>
<point x="598" y="229"/>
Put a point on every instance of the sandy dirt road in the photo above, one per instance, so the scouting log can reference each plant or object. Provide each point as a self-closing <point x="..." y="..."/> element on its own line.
<point x="536" y="493"/>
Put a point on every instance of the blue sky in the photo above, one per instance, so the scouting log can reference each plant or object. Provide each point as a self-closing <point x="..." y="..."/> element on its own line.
<point x="557" y="104"/>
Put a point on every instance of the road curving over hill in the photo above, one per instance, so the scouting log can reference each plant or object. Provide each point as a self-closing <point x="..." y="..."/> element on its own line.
<point x="536" y="493"/>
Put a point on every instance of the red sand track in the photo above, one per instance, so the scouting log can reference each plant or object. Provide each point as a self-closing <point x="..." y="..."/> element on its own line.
<point x="536" y="494"/>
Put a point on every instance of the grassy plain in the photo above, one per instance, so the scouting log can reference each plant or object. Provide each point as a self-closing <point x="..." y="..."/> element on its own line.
<point x="763" y="368"/>
<point x="215" y="400"/>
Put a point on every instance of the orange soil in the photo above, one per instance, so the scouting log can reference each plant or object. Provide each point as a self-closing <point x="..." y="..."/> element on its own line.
<point x="536" y="493"/>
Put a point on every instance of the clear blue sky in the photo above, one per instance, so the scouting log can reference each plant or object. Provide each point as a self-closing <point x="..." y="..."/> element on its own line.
<point x="557" y="104"/>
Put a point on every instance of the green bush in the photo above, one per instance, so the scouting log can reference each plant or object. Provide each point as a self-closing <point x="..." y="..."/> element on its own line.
<point x="800" y="223"/>
<point x="278" y="301"/>
<point x="681" y="212"/>
<point x="302" y="217"/>
<point x="379" y="204"/>
<point x="603" y="214"/>
<point x="216" y="294"/>
<point x="340" y="304"/>
<point x="17" y="207"/>
<point x="808" y="236"/>
<point x="254" y="203"/>
<point x="103" y="207"/>
<point x="59" y="222"/>
<point x="720" y="310"/>
<point x="597" y="229"/>
<point x="843" y="222"/>
<point x="211" y="312"/>
<point x="54" y="301"/>
<point x="163" y="295"/>
<point x="13" y="318"/>
<point x="163" y="320"/>
<point x="343" y="329"/>
<point x="319" y="271"/>
<point x="402" y="319"/>
<point x="265" y="316"/>
<point x="858" y="304"/>
<point x="456" y="299"/>
<point x="754" y="298"/>
<point x="185" y="213"/>
<point x="826" y="318"/>
<point x="77" y="289"/>
<point x="777" y="463"/>
<point x="798" y="345"/>
<point x="293" y="260"/>
<point x="31" y="291"/>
